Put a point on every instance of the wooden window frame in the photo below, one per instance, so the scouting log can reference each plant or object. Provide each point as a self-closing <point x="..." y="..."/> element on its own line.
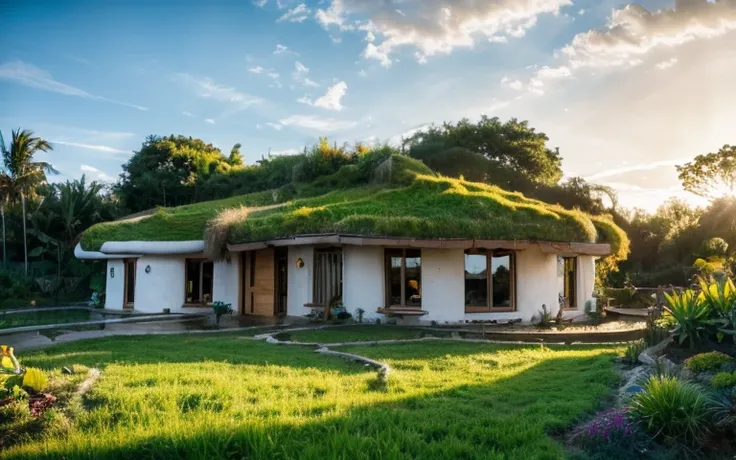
<point x="316" y="279"/>
<point x="490" y="308"/>
<point x="202" y="261"/>
<point x="571" y="305"/>
<point x="126" y="303"/>
<point x="387" y="269"/>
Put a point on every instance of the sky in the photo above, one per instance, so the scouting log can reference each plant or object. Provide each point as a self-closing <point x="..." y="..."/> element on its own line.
<point x="626" y="91"/>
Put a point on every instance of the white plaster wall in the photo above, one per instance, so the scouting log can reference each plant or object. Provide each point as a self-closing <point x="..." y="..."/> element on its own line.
<point x="226" y="281"/>
<point x="300" y="280"/>
<point x="163" y="287"/>
<point x="443" y="285"/>
<point x="363" y="280"/>
<point x="115" y="287"/>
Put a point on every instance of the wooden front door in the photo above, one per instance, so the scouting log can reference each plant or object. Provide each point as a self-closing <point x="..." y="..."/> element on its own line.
<point x="259" y="280"/>
<point x="129" y="293"/>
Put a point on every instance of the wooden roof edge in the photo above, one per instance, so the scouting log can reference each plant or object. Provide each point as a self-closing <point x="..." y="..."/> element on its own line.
<point x="548" y="247"/>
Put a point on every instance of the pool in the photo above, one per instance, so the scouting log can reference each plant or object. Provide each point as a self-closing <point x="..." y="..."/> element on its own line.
<point x="11" y="319"/>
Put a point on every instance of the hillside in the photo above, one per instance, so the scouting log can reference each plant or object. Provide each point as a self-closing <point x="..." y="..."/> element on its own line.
<point x="410" y="201"/>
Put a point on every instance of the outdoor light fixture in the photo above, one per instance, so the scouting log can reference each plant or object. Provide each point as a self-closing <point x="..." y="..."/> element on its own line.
<point x="148" y="269"/>
<point x="299" y="263"/>
<point x="112" y="272"/>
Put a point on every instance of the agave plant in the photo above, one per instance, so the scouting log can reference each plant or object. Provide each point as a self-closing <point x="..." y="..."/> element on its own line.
<point x="691" y="314"/>
<point x="721" y="300"/>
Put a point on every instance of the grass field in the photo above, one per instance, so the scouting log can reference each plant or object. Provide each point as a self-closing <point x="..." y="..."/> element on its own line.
<point x="208" y="397"/>
<point x="354" y="334"/>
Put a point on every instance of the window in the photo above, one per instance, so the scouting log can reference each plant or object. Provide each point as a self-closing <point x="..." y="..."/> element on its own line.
<point x="199" y="275"/>
<point x="489" y="281"/>
<point x="567" y="281"/>
<point x="404" y="278"/>
<point x="327" y="276"/>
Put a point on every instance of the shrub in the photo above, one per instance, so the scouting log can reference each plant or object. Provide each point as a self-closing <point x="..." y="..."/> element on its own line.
<point x="673" y="408"/>
<point x="35" y="379"/>
<point x="723" y="380"/>
<point x="221" y="308"/>
<point x="611" y="434"/>
<point x="545" y="317"/>
<point x="707" y="361"/>
<point x="14" y="285"/>
<point x="633" y="350"/>
<point x="691" y="315"/>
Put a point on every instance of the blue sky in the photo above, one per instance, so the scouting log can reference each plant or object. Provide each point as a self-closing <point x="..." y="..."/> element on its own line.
<point x="625" y="91"/>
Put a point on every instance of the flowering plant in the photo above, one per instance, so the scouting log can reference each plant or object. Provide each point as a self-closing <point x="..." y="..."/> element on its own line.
<point x="611" y="434"/>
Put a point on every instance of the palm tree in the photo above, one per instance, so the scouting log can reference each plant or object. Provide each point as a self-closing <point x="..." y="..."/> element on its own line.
<point x="24" y="173"/>
<point x="5" y="192"/>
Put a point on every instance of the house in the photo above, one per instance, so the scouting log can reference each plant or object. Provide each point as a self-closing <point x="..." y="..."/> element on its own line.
<point x="425" y="247"/>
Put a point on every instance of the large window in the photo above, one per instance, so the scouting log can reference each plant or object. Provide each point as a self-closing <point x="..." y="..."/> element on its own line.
<point x="404" y="278"/>
<point x="489" y="281"/>
<point x="199" y="275"/>
<point x="567" y="281"/>
<point x="327" y="276"/>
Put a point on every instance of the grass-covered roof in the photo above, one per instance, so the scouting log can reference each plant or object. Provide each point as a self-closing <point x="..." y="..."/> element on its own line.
<point x="410" y="202"/>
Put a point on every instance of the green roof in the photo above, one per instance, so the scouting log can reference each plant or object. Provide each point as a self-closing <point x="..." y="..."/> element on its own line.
<point x="412" y="203"/>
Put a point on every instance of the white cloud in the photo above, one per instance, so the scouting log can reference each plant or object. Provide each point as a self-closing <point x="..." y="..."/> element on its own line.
<point x="187" y="114"/>
<point x="29" y="75"/>
<point x="301" y="73"/>
<point x="318" y="123"/>
<point x="260" y="3"/>
<point x="556" y="72"/>
<point x="257" y="69"/>
<point x="667" y="64"/>
<point x="275" y="126"/>
<point x="581" y="12"/>
<point x="638" y="167"/>
<point x="634" y="31"/>
<point x="513" y="84"/>
<point x="98" y="148"/>
<point x="434" y="26"/>
<point x="332" y="100"/>
<point x="99" y="175"/>
<point x="284" y="152"/>
<point x="299" y="13"/>
<point x="207" y="88"/>
<point x="273" y="75"/>
<point x="209" y="120"/>
<point x="283" y="49"/>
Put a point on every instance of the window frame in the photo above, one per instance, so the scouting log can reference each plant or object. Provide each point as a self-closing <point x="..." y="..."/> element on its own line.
<point x="490" y="308"/>
<point x="387" y="254"/>
<point x="316" y="278"/>
<point x="574" y="291"/>
<point x="202" y="261"/>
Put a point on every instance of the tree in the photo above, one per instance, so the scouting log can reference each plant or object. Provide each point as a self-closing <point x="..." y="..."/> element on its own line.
<point x="235" y="158"/>
<point x="712" y="175"/>
<point x="513" y="148"/>
<point x="168" y="171"/>
<point x="5" y="194"/>
<point x="23" y="172"/>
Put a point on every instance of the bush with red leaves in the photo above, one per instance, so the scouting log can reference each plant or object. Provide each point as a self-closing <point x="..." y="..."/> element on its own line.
<point x="40" y="403"/>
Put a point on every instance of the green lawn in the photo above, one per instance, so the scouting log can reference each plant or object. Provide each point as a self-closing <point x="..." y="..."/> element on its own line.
<point x="38" y="318"/>
<point x="207" y="397"/>
<point x="353" y="334"/>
